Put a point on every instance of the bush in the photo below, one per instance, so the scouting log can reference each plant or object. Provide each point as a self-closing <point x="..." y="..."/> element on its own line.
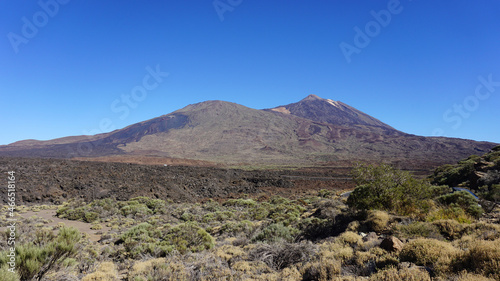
<point x="244" y="228"/>
<point x="350" y="238"/>
<point x="144" y="239"/>
<point x="464" y="200"/>
<point x="6" y="275"/>
<point x="135" y="210"/>
<point x="449" y="213"/>
<point x="454" y="175"/>
<point x="37" y="258"/>
<point x="189" y="237"/>
<point x="405" y="274"/>
<point x="420" y="230"/>
<point x="81" y="214"/>
<point x="282" y="255"/>
<point x="450" y="229"/>
<point x="483" y="257"/>
<point x="378" y="220"/>
<point x="241" y="203"/>
<point x="465" y="276"/>
<point x="158" y="269"/>
<point x="337" y="250"/>
<point x="105" y="272"/>
<point x="286" y="213"/>
<point x="386" y="188"/>
<point x="321" y="270"/>
<point x="277" y="232"/>
<point x="429" y="252"/>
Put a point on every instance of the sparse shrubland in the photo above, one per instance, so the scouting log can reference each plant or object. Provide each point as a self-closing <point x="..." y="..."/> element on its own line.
<point x="432" y="234"/>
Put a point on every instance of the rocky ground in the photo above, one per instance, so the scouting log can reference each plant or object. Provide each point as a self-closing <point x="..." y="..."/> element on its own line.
<point x="42" y="181"/>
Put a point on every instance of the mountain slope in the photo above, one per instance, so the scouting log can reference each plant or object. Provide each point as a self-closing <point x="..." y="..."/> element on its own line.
<point x="336" y="113"/>
<point x="311" y="131"/>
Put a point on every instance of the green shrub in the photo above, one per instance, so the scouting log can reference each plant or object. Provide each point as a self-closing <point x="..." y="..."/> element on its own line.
<point x="451" y="229"/>
<point x="156" y="205"/>
<point x="288" y="214"/>
<point x="144" y="239"/>
<point x="81" y="214"/>
<point x="259" y="212"/>
<point x="237" y="228"/>
<point x="218" y="216"/>
<point x="34" y="260"/>
<point x="449" y="213"/>
<point x="277" y="200"/>
<point x="189" y="237"/>
<point x="276" y="232"/>
<point x="6" y="275"/>
<point x="138" y="209"/>
<point x="420" y="230"/>
<point x="242" y="203"/>
<point x="386" y="188"/>
<point x="464" y="200"/>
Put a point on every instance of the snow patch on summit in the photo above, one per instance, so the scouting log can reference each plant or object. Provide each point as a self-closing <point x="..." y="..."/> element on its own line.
<point x="334" y="103"/>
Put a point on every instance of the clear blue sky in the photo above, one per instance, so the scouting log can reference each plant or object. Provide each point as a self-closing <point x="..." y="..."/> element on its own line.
<point x="418" y="72"/>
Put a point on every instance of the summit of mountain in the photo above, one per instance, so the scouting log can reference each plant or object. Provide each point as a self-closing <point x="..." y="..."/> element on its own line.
<point x="309" y="132"/>
<point x="335" y="112"/>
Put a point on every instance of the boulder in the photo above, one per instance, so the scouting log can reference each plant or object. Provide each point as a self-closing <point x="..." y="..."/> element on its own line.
<point x="391" y="244"/>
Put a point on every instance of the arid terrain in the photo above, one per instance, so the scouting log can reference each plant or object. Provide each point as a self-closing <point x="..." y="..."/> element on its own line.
<point x="314" y="190"/>
<point x="311" y="131"/>
<point x="44" y="181"/>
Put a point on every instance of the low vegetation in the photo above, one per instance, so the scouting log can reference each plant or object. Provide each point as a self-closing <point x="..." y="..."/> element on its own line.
<point x="392" y="227"/>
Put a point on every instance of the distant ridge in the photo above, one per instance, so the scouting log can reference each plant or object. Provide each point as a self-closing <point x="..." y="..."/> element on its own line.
<point x="309" y="132"/>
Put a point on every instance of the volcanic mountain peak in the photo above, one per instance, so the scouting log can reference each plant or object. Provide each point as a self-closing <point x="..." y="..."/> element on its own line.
<point x="333" y="112"/>
<point x="311" y="97"/>
<point x="313" y="129"/>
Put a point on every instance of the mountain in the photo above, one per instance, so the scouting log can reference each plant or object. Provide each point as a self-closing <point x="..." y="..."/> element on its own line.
<point x="309" y="132"/>
<point x="336" y="113"/>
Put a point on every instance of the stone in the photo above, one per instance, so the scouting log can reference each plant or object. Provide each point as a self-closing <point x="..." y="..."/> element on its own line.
<point x="392" y="244"/>
<point x="370" y="236"/>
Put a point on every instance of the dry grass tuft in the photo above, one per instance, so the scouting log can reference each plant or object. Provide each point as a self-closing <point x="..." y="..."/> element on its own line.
<point x="105" y="272"/>
<point x="323" y="269"/>
<point x="430" y="252"/>
<point x="350" y="238"/>
<point x="465" y="276"/>
<point x="405" y="274"/>
<point x="282" y="255"/>
<point x="483" y="257"/>
<point x="378" y="220"/>
<point x="336" y="250"/>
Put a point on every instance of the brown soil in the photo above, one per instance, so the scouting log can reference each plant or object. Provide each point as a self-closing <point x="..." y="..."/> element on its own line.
<point x="50" y="215"/>
<point x="55" y="181"/>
